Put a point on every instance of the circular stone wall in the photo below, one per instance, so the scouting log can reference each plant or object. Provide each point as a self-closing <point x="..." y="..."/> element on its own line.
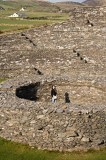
<point x="59" y="126"/>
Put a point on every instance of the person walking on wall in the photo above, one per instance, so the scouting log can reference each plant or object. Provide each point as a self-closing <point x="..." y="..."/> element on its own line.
<point x="54" y="94"/>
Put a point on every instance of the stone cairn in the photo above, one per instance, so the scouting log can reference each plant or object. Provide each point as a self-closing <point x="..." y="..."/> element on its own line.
<point x="70" y="55"/>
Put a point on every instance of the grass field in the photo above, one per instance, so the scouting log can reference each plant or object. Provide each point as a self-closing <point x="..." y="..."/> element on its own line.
<point x="37" y="14"/>
<point x="15" y="151"/>
<point x="13" y="24"/>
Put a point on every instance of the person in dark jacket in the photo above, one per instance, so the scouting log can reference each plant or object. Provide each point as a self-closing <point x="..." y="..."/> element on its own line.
<point x="54" y="94"/>
<point x="67" y="100"/>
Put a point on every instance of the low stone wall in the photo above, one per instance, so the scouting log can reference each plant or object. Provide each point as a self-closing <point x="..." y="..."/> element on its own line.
<point x="54" y="126"/>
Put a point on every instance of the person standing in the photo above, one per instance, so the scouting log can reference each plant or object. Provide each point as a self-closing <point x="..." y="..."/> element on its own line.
<point x="67" y="99"/>
<point x="54" y="94"/>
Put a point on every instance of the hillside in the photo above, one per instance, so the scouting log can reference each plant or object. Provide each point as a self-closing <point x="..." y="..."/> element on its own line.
<point x="41" y="5"/>
<point x="66" y="6"/>
<point x="30" y="4"/>
<point x="95" y="2"/>
<point x="34" y="14"/>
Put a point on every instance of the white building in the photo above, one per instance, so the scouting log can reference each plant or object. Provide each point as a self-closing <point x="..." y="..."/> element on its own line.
<point x="14" y="15"/>
<point x="22" y="9"/>
<point x="18" y="15"/>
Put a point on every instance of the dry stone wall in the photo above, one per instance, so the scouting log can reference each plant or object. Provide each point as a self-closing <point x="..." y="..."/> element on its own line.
<point x="70" y="55"/>
<point x="48" y="127"/>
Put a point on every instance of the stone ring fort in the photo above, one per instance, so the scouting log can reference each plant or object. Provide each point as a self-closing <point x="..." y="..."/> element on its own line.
<point x="70" y="55"/>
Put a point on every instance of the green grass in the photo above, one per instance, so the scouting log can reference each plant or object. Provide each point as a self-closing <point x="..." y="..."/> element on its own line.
<point x="9" y="28"/>
<point x="14" y="24"/>
<point x="12" y="21"/>
<point x="15" y="151"/>
<point x="2" y="79"/>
